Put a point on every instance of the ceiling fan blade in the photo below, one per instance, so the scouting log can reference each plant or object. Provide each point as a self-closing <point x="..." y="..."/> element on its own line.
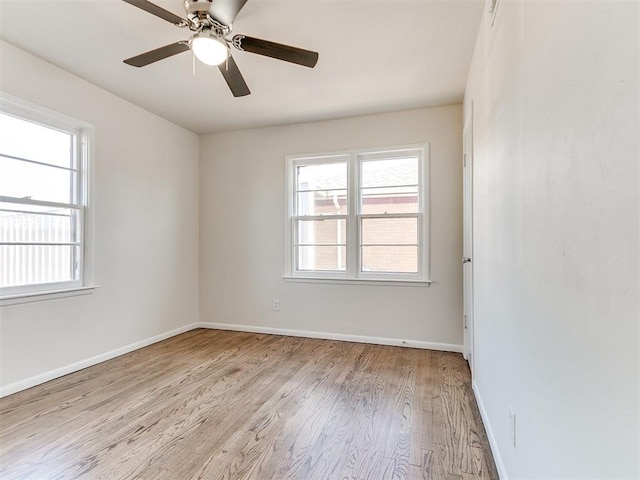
<point x="157" y="54"/>
<point x="225" y="11"/>
<point x="233" y="77"/>
<point x="276" y="50"/>
<point x="154" y="9"/>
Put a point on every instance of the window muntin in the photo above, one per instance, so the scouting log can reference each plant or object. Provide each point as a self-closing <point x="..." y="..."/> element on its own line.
<point x="53" y="146"/>
<point x="375" y="228"/>
<point x="387" y="259"/>
<point x="389" y="200"/>
<point x="389" y="230"/>
<point x="390" y="213"/>
<point x="46" y="183"/>
<point x="320" y="205"/>
<point x="43" y="201"/>
<point x="386" y="172"/>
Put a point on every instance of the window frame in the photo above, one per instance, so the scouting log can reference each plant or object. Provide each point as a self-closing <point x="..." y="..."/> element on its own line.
<point x="353" y="273"/>
<point x="83" y="136"/>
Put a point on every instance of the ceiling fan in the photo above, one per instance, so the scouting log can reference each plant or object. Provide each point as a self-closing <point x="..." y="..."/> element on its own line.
<point x="211" y="24"/>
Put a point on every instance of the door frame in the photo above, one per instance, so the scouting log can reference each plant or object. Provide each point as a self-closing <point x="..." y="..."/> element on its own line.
<point x="467" y="238"/>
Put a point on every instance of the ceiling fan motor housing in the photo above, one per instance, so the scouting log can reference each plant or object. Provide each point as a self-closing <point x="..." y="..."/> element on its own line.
<point x="200" y="15"/>
<point x="197" y="6"/>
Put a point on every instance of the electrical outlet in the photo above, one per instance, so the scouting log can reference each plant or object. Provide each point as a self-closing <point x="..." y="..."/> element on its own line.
<point x="512" y="426"/>
<point x="275" y="305"/>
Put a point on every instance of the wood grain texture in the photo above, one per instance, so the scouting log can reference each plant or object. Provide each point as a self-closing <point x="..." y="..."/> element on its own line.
<point x="212" y="404"/>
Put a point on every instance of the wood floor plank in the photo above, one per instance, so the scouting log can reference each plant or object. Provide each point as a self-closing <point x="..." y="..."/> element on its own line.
<point x="351" y="434"/>
<point x="244" y="451"/>
<point x="229" y="405"/>
<point x="422" y="425"/>
<point x="302" y="433"/>
<point x="402" y="415"/>
<point x="208" y="401"/>
<point x="231" y="417"/>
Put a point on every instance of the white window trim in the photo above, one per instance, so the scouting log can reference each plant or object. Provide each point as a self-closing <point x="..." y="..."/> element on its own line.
<point x="85" y="135"/>
<point x="352" y="275"/>
<point x="40" y="296"/>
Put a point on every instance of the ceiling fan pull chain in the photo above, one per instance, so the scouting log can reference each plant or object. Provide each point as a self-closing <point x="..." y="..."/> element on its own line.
<point x="193" y="63"/>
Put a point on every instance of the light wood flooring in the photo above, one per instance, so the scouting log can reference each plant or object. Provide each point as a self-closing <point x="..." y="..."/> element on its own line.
<point x="212" y="404"/>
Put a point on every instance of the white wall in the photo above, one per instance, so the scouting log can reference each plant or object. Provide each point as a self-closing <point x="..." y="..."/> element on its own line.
<point x="242" y="208"/>
<point x="555" y="94"/>
<point x="146" y="230"/>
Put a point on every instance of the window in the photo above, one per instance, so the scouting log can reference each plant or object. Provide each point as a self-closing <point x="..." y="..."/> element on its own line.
<point x="359" y="215"/>
<point x="43" y="201"/>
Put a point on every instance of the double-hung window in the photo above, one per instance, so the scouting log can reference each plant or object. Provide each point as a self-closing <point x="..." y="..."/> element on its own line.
<point x="358" y="215"/>
<point x="43" y="201"/>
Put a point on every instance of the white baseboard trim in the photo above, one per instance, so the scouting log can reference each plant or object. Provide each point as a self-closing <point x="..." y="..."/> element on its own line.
<point x="502" y="472"/>
<point x="74" y="367"/>
<point x="398" y="342"/>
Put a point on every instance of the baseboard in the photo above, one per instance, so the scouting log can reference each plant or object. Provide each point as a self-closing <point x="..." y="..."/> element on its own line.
<point x="74" y="367"/>
<point x="398" y="342"/>
<point x="502" y="473"/>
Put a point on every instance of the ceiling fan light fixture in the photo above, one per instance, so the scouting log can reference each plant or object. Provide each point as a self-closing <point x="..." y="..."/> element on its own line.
<point x="209" y="49"/>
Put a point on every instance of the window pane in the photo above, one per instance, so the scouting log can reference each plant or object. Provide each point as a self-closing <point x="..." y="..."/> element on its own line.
<point x="323" y="258"/>
<point x="32" y="264"/>
<point x="322" y="176"/>
<point x="389" y="200"/>
<point x="389" y="172"/>
<point x="24" y="139"/>
<point x="394" y="259"/>
<point x="322" y="202"/>
<point x="323" y="232"/>
<point x="389" y="231"/>
<point x="34" y="224"/>
<point x="23" y="179"/>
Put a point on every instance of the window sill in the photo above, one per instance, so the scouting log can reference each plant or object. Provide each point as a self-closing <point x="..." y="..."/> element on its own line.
<point x="359" y="281"/>
<point x="30" y="297"/>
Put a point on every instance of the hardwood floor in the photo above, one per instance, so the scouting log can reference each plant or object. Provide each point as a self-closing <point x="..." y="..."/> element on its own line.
<point x="212" y="404"/>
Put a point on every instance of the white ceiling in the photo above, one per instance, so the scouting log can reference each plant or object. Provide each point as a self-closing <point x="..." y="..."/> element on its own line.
<point x="375" y="56"/>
